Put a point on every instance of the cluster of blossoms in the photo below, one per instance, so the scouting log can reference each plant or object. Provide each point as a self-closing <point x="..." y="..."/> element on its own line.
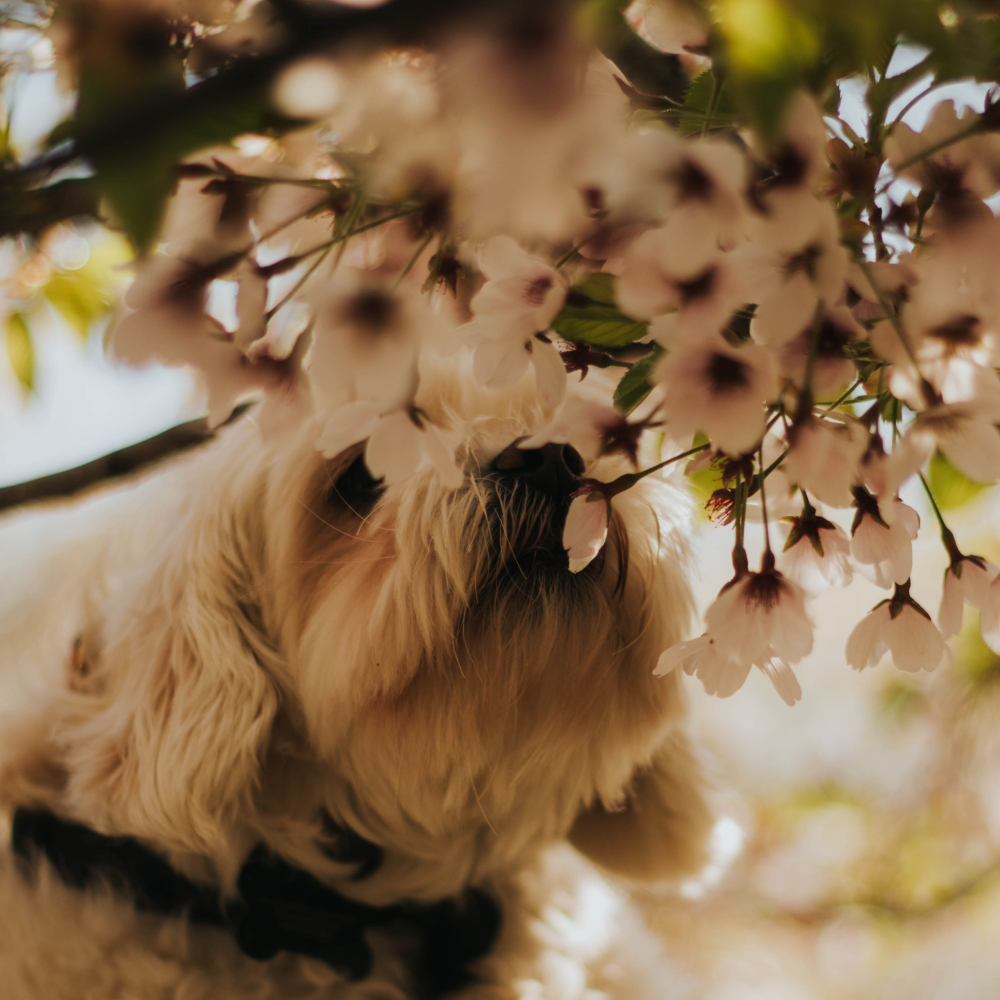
<point x="781" y="310"/>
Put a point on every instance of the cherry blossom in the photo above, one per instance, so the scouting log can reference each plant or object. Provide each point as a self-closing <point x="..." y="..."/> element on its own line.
<point x="586" y="528"/>
<point x="989" y="619"/>
<point x="902" y="627"/>
<point x="399" y="443"/>
<point x="972" y="163"/>
<point x="661" y="274"/>
<point x="761" y="615"/>
<point x="816" y="553"/>
<point x="723" y="677"/>
<point x="883" y="552"/>
<point x="366" y="340"/>
<point x="832" y="369"/>
<point x="824" y="455"/>
<point x="718" y="390"/>
<point x="966" y="435"/>
<point x="594" y="430"/>
<point x="966" y="581"/>
<point x="515" y="307"/>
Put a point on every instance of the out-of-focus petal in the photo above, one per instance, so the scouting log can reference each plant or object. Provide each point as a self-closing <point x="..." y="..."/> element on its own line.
<point x="585" y="530"/>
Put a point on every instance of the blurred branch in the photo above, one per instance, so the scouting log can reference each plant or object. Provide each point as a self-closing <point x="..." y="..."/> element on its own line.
<point x="119" y="463"/>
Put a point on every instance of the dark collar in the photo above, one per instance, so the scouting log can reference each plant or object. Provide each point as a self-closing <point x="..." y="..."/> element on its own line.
<point x="281" y="908"/>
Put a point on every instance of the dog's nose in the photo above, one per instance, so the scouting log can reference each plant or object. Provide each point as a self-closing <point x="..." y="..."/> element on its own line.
<point x="555" y="468"/>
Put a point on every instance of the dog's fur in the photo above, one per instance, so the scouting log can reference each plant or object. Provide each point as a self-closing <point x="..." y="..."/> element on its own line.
<point x="257" y="652"/>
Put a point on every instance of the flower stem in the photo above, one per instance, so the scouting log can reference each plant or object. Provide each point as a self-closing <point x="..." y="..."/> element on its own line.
<point x="627" y="481"/>
<point x="763" y="500"/>
<point x="947" y="538"/>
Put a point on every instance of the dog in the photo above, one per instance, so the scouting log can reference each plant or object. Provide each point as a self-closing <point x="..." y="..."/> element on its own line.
<point x="256" y="663"/>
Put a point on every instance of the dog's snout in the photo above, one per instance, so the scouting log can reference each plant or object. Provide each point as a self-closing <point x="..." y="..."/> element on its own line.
<point x="555" y="468"/>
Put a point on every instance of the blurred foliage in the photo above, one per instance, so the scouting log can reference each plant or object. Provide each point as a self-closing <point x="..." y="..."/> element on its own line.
<point x="590" y="315"/>
<point x="951" y="489"/>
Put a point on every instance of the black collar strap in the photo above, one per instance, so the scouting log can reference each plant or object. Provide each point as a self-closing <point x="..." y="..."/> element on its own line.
<point x="281" y="908"/>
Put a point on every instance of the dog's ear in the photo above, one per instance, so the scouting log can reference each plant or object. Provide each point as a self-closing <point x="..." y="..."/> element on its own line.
<point x="169" y="746"/>
<point x="659" y="829"/>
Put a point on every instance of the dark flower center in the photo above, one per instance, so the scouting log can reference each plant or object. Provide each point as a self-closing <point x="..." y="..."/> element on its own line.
<point x="832" y="339"/>
<point x="536" y="291"/>
<point x="804" y="260"/>
<point x="960" y="332"/>
<point x="725" y="372"/>
<point x="697" y="288"/>
<point x="763" y="590"/>
<point x="693" y="182"/>
<point x="372" y="309"/>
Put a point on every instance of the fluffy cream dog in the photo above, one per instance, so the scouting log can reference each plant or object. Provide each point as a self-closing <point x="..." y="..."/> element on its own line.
<point x="254" y="645"/>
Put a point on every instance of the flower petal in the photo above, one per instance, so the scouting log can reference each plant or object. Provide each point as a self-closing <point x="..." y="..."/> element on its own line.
<point x="585" y="530"/>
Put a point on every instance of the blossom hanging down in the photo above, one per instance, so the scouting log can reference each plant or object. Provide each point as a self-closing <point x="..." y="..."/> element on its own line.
<point x="966" y="581"/>
<point x="759" y="619"/>
<point x="592" y="429"/>
<point x="900" y="626"/>
<point x="883" y="552"/>
<point x="515" y="307"/>
<point x="817" y="553"/>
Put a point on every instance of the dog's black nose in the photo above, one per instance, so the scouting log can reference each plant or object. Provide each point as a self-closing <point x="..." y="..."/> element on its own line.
<point x="555" y="468"/>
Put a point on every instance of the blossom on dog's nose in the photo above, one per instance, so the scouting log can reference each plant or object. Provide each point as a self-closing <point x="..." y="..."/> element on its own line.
<point x="586" y="527"/>
<point x="593" y="430"/>
<point x="883" y="552"/>
<point x="902" y="627"/>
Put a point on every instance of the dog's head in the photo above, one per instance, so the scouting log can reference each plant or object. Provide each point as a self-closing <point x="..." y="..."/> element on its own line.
<point x="307" y="649"/>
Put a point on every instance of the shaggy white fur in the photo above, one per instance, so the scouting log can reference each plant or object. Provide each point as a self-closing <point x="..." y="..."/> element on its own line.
<point x="260" y="649"/>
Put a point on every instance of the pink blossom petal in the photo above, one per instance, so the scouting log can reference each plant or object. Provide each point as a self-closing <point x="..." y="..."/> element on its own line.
<point x="550" y="372"/>
<point x="784" y="315"/>
<point x="781" y="675"/>
<point x="346" y="426"/>
<point x="914" y="641"/>
<point x="585" y="530"/>
<point x="440" y="449"/>
<point x="866" y="643"/>
<point x="498" y="364"/>
<point x="950" y="612"/>
<point x="681" y="654"/>
<point x="989" y="618"/>
<point x="395" y="448"/>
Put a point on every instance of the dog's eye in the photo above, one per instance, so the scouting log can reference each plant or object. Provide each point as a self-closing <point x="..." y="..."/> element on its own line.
<point x="356" y="487"/>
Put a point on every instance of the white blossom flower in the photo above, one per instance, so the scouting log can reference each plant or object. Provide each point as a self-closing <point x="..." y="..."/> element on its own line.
<point x="903" y="628"/>
<point x="660" y="274"/>
<point x="760" y="615"/>
<point x="793" y="261"/>
<point x="883" y="552"/>
<point x="586" y="527"/>
<point x="966" y="581"/>
<point x="989" y="618"/>
<point x="719" y="390"/>
<point x="816" y="553"/>
<point x="723" y="677"/>
<point x="366" y="341"/>
<point x="512" y="312"/>
<point x="399" y="443"/>
<point x="592" y="429"/>
<point x="966" y="436"/>
<point x="165" y="319"/>
<point x="972" y="163"/>
<point x="832" y="368"/>
<point x="824" y="455"/>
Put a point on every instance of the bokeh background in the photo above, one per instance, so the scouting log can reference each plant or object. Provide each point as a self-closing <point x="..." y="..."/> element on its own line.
<point x="863" y="839"/>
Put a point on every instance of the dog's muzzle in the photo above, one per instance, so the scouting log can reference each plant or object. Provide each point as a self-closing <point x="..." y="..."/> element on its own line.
<point x="554" y="468"/>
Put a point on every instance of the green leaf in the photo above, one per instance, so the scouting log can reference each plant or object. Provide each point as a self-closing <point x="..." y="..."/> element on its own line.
<point x="951" y="489"/>
<point x="698" y="100"/>
<point x="591" y="317"/>
<point x="20" y="351"/>
<point x="634" y="386"/>
<point x="77" y="300"/>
